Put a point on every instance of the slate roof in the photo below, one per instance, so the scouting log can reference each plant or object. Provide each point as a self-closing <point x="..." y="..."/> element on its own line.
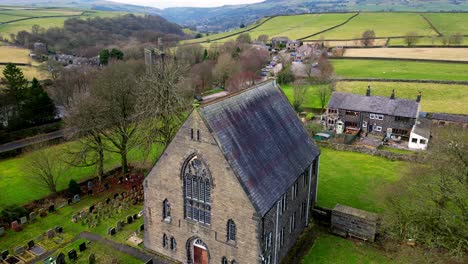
<point x="450" y="117"/>
<point x="374" y="104"/>
<point x="263" y="140"/>
<point x="423" y="127"/>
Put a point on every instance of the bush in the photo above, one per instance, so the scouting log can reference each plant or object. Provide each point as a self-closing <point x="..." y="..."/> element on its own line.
<point x="13" y="213"/>
<point x="313" y="128"/>
<point x="310" y="116"/>
<point x="286" y="76"/>
<point x="74" y="187"/>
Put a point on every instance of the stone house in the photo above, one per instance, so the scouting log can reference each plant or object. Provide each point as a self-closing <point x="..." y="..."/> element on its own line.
<point x="235" y="184"/>
<point x="293" y="45"/>
<point x="377" y="115"/>
<point x="279" y="42"/>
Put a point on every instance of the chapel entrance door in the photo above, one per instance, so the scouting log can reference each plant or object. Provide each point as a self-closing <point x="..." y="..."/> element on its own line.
<point x="200" y="255"/>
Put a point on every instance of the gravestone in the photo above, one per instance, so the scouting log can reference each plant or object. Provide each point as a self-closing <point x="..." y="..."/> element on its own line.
<point x="149" y="261"/>
<point x="5" y="254"/>
<point x="140" y="214"/>
<point x="91" y="208"/>
<point x="119" y="225"/>
<point x="123" y="194"/>
<point x="76" y="198"/>
<point x="39" y="238"/>
<point x="2" y="230"/>
<point x="51" y="208"/>
<point x="82" y="247"/>
<point x="129" y="219"/>
<point x="75" y="218"/>
<point x="108" y="200"/>
<point x="106" y="186"/>
<point x="90" y="185"/>
<point x="50" y="233"/>
<point x="32" y="216"/>
<point x="60" y="259"/>
<point x="15" y="226"/>
<point x="92" y="259"/>
<point x="142" y="227"/>
<point x="23" y="220"/>
<point x="69" y="201"/>
<point x="59" y="229"/>
<point x="111" y="231"/>
<point x="20" y="250"/>
<point x="31" y="244"/>
<point x="72" y="254"/>
<point x="42" y="212"/>
<point x="135" y="217"/>
<point x="116" y="196"/>
<point x="121" y="179"/>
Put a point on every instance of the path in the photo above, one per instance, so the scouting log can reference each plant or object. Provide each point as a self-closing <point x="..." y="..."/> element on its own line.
<point x="31" y="141"/>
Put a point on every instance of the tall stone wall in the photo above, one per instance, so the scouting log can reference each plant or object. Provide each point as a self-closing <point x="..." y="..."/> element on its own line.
<point x="348" y="221"/>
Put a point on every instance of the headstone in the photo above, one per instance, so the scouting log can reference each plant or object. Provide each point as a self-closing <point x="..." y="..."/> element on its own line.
<point x="42" y="212"/>
<point x="60" y="259"/>
<point x="76" y="198"/>
<point x="140" y="214"/>
<point x="72" y="254"/>
<point x="5" y="254"/>
<point x="119" y="225"/>
<point x="20" y="250"/>
<point x="75" y="218"/>
<point x="135" y="217"/>
<point x="111" y="231"/>
<point x="108" y="200"/>
<point x="116" y="196"/>
<point x="90" y="185"/>
<point x="51" y="208"/>
<point x="91" y="208"/>
<point x="129" y="219"/>
<point x="31" y="244"/>
<point x="121" y="179"/>
<point x="82" y="247"/>
<point x="32" y="216"/>
<point x="15" y="226"/>
<point x="59" y="229"/>
<point x="106" y="186"/>
<point x="69" y="201"/>
<point x="149" y="261"/>
<point x="23" y="220"/>
<point x="2" y="230"/>
<point x="134" y="187"/>
<point x="123" y="194"/>
<point x="39" y="238"/>
<point x="92" y="259"/>
<point x="142" y="227"/>
<point x="50" y="233"/>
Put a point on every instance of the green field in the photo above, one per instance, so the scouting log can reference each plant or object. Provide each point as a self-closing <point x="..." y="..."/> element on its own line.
<point x="355" y="179"/>
<point x="42" y="17"/>
<point x="454" y="23"/>
<point x="395" y="69"/>
<point x="437" y="41"/>
<point x="12" y="176"/>
<point x="311" y="98"/>
<point x="445" y="98"/>
<point x="330" y="249"/>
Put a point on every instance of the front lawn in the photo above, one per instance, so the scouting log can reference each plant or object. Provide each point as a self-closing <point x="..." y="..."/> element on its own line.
<point x="311" y="98"/>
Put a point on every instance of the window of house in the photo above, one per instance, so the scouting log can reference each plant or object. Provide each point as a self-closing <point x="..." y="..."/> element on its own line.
<point x="233" y="261"/>
<point x="351" y="113"/>
<point x="351" y="124"/>
<point x="283" y="203"/>
<point x="378" y="128"/>
<point x="231" y="230"/>
<point x="303" y="209"/>
<point x="306" y="177"/>
<point x="173" y="243"/>
<point x="281" y="237"/>
<point x="364" y="124"/>
<point x="414" y="140"/>
<point x="402" y="119"/>
<point x="267" y="241"/>
<point x="191" y="133"/>
<point x="294" y="190"/>
<point x="197" y="191"/>
<point x="292" y="222"/>
<point x="399" y="131"/>
<point x="224" y="260"/>
<point x="372" y="116"/>
<point x="198" y="134"/>
<point x="166" y="210"/>
<point x="379" y="117"/>
<point x="267" y="260"/>
<point x="332" y="111"/>
<point x="164" y="240"/>
<point x="422" y="141"/>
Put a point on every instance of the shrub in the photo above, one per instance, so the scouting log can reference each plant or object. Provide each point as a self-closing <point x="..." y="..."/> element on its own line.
<point x="285" y="76"/>
<point x="74" y="187"/>
<point x="310" y="116"/>
<point x="13" y="213"/>
<point x="313" y="128"/>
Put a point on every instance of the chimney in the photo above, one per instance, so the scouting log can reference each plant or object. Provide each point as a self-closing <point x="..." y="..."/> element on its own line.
<point x="418" y="98"/>
<point x="368" y="90"/>
<point x="393" y="94"/>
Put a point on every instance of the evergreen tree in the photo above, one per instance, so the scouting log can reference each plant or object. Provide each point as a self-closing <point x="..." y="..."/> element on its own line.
<point x="116" y="54"/>
<point x="205" y="55"/>
<point x="38" y="108"/>
<point x="104" y="56"/>
<point x="15" y="82"/>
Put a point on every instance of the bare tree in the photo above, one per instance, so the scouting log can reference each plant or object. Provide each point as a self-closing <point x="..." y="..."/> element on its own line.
<point x="254" y="59"/>
<point x="298" y="96"/>
<point x="324" y="92"/>
<point x="45" y="166"/>
<point x="241" y="80"/>
<point x="201" y="75"/>
<point x="244" y="38"/>
<point x="225" y="67"/>
<point x="190" y="54"/>
<point x="71" y="81"/>
<point x="456" y="39"/>
<point x="411" y="38"/>
<point x="326" y="70"/>
<point x="368" y="38"/>
<point x="263" y="38"/>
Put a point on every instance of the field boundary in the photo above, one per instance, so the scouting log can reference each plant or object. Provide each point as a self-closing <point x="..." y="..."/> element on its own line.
<point x="331" y="28"/>
<point x="15" y="63"/>
<point x="431" y="25"/>
<point x="29" y="18"/>
<point x="400" y="80"/>
<point x="396" y="59"/>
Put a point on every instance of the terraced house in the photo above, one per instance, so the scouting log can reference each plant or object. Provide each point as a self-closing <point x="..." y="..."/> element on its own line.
<point x="236" y="183"/>
<point x="378" y="115"/>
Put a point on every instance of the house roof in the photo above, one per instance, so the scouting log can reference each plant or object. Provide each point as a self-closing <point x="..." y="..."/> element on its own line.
<point x="450" y="117"/>
<point x="374" y="104"/>
<point x="262" y="139"/>
<point x="423" y="127"/>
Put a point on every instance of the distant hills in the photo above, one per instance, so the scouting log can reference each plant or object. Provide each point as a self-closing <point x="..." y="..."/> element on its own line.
<point x="229" y="17"/>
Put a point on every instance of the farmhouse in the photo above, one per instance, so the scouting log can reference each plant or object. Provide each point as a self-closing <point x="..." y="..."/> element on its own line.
<point x="293" y="45"/>
<point x="236" y="183"/>
<point x="279" y="42"/>
<point x="377" y="115"/>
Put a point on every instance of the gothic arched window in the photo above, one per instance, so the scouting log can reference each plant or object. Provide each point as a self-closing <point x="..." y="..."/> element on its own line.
<point x="224" y="260"/>
<point x="166" y="210"/>
<point x="173" y="243"/>
<point x="197" y="191"/>
<point x="231" y="230"/>
<point x="164" y="242"/>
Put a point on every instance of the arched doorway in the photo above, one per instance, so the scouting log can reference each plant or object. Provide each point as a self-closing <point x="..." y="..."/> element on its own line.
<point x="197" y="252"/>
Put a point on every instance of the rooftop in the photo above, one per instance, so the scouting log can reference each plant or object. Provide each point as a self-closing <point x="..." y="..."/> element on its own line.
<point x="450" y="117"/>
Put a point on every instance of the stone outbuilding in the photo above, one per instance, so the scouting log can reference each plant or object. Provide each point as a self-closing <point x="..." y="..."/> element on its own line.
<point x="235" y="184"/>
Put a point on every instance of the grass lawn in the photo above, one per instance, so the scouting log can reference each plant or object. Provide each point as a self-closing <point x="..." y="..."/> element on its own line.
<point x="18" y="188"/>
<point x="355" y="179"/>
<point x="448" y="98"/>
<point x="399" y="151"/>
<point x="29" y="72"/>
<point x="412" y="70"/>
<point x="437" y="41"/>
<point x="14" y="54"/>
<point x="449" y="23"/>
<point x="383" y="24"/>
<point x="330" y="249"/>
<point x="456" y="54"/>
<point x="311" y="98"/>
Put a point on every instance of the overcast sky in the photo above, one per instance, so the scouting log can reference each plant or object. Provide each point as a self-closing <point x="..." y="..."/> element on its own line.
<point x="190" y="3"/>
